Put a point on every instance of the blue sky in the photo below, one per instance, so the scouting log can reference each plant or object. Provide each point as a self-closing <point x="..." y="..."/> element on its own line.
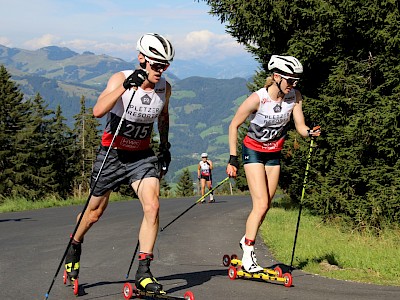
<point x="113" y="27"/>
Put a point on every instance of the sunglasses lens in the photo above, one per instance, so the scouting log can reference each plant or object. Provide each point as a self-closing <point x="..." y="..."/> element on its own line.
<point x="157" y="66"/>
<point x="161" y="66"/>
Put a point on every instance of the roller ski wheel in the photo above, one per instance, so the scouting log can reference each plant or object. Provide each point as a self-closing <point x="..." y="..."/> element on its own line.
<point x="288" y="279"/>
<point x="226" y="259"/>
<point x="232" y="273"/>
<point x="278" y="271"/>
<point x="73" y="282"/>
<point x="130" y="291"/>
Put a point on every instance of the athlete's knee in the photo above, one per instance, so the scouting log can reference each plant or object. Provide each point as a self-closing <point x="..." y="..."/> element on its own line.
<point x="151" y="208"/>
<point x="261" y="209"/>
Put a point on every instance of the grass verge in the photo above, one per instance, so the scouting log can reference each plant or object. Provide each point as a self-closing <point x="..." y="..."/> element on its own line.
<point x="332" y="251"/>
<point x="21" y="204"/>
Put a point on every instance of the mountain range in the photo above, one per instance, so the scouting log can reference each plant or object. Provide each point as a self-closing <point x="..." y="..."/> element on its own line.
<point x="201" y="107"/>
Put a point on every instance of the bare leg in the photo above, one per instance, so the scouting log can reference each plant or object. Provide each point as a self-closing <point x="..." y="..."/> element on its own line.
<point x="203" y="187"/>
<point x="148" y="190"/>
<point x="94" y="211"/>
<point x="262" y="182"/>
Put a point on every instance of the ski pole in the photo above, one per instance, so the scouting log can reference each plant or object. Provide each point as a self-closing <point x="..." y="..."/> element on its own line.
<point x="133" y="258"/>
<point x="90" y="195"/>
<point x="200" y="199"/>
<point x="302" y="197"/>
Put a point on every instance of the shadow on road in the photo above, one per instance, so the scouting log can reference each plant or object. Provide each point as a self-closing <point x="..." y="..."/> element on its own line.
<point x="191" y="279"/>
<point x="15" y="220"/>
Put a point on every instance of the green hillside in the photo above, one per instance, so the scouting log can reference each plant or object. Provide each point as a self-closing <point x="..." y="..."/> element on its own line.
<point x="201" y="108"/>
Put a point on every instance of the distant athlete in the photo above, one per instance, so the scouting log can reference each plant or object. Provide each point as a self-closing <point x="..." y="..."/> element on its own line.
<point x="269" y="109"/>
<point x="204" y="174"/>
<point x="131" y="159"/>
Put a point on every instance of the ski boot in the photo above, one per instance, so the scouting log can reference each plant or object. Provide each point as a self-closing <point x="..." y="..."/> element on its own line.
<point x="144" y="280"/>
<point x="72" y="259"/>
<point x="249" y="260"/>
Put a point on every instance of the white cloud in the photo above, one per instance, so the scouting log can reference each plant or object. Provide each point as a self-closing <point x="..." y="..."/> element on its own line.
<point x="201" y="45"/>
<point x="43" y="41"/>
<point x="5" y="41"/>
<point x="205" y="44"/>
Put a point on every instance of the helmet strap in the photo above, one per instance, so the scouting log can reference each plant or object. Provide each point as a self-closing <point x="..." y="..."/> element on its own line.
<point x="279" y="87"/>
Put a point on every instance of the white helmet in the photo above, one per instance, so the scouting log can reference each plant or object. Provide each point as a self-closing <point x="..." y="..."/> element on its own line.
<point x="204" y="155"/>
<point x="156" y="46"/>
<point x="287" y="64"/>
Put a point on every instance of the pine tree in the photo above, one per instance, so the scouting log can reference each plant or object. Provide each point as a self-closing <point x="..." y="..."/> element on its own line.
<point x="35" y="174"/>
<point x="13" y="114"/>
<point x="62" y="154"/>
<point x="184" y="188"/>
<point x="165" y="189"/>
<point x="87" y="142"/>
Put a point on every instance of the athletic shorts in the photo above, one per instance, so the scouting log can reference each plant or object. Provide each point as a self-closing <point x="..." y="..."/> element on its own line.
<point x="266" y="158"/>
<point x="206" y="177"/>
<point x="122" y="167"/>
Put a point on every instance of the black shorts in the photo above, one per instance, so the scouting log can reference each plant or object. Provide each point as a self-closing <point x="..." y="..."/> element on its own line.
<point x="122" y="167"/>
<point x="206" y="177"/>
<point x="266" y="158"/>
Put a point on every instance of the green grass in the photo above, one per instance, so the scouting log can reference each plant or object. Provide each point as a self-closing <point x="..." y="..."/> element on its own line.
<point x="332" y="251"/>
<point x="21" y="204"/>
<point x="212" y="130"/>
<point x="183" y="94"/>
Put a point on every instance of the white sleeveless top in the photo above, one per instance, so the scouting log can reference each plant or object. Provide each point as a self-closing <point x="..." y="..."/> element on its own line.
<point x="204" y="168"/>
<point x="144" y="109"/>
<point x="269" y="125"/>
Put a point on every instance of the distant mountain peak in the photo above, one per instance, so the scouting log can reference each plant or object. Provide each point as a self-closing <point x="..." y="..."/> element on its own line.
<point x="58" y="53"/>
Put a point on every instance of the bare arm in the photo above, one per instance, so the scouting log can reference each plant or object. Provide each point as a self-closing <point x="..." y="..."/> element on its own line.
<point x="250" y="105"/>
<point x="298" y="116"/>
<point x="110" y="95"/>
<point x="163" y="118"/>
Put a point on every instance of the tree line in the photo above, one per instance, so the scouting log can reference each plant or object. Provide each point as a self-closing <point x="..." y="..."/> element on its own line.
<point x="40" y="156"/>
<point x="350" y="51"/>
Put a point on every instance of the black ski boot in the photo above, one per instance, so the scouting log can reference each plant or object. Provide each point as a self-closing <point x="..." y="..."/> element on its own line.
<point x="72" y="260"/>
<point x="144" y="280"/>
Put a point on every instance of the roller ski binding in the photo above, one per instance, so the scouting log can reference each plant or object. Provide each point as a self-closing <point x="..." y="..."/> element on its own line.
<point x="71" y="270"/>
<point x="146" y="285"/>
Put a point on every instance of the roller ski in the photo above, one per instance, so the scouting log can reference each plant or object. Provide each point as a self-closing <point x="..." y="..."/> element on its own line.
<point x="236" y="270"/>
<point x="71" y="270"/>
<point x="146" y="285"/>
<point x="249" y="268"/>
<point x="130" y="292"/>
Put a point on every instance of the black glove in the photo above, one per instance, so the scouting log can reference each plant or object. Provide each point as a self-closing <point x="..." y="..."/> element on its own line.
<point x="164" y="158"/>
<point x="135" y="79"/>
<point x="234" y="161"/>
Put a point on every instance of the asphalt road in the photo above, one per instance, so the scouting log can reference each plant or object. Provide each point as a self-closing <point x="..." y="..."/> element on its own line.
<point x="188" y="255"/>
